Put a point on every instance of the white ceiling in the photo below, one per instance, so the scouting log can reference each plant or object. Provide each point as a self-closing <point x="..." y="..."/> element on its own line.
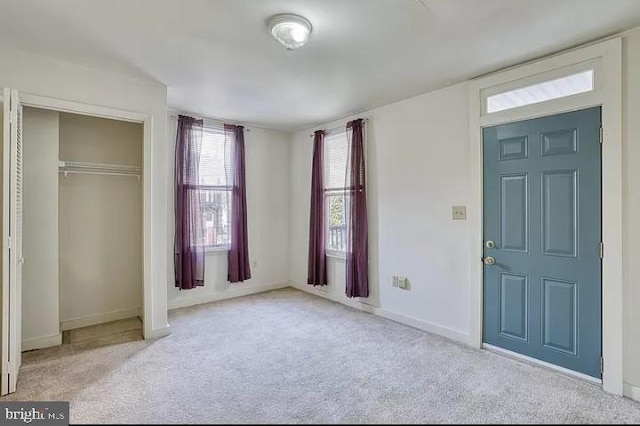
<point x="218" y="59"/>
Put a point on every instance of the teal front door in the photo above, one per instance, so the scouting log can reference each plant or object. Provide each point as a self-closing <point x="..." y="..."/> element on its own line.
<point x="542" y="233"/>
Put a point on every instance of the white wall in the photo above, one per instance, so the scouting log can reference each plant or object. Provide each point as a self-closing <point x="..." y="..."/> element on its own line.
<point x="267" y="173"/>
<point x="40" y="288"/>
<point x="417" y="169"/>
<point x="631" y="207"/>
<point x="422" y="169"/>
<point x="419" y="153"/>
<point x="100" y="223"/>
<point x="45" y="76"/>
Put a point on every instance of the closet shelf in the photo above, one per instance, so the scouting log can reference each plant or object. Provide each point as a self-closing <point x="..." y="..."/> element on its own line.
<point x="99" y="168"/>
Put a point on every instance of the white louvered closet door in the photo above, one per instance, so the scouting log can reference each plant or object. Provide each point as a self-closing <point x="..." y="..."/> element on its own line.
<point x="15" y="102"/>
<point x="6" y="258"/>
<point x="12" y="259"/>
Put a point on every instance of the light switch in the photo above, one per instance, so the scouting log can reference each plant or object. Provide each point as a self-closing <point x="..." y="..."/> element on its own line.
<point x="459" y="212"/>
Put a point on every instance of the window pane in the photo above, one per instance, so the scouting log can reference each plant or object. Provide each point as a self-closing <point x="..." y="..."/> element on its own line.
<point x="335" y="160"/>
<point x="337" y="212"/>
<point x="545" y="91"/>
<point x="216" y="205"/>
<point x="215" y="158"/>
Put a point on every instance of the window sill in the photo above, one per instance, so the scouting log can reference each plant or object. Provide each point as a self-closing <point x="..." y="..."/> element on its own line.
<point x="213" y="251"/>
<point x="338" y="255"/>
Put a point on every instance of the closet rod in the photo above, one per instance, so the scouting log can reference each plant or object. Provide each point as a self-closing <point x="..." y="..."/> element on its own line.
<point x="89" y="172"/>
<point x="102" y="167"/>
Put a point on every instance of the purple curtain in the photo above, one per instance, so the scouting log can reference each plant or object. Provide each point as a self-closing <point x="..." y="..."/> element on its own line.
<point x="357" y="253"/>
<point x="317" y="270"/>
<point x="239" y="269"/>
<point x="189" y="232"/>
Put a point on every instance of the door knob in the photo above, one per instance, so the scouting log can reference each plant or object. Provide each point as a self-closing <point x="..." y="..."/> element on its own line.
<point x="490" y="244"/>
<point x="489" y="260"/>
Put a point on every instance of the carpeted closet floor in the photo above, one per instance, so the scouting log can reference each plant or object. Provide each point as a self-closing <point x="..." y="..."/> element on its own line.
<point x="289" y="357"/>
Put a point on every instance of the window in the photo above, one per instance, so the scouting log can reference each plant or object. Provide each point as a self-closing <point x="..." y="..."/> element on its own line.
<point x="545" y="91"/>
<point x="215" y="187"/>
<point x="336" y="196"/>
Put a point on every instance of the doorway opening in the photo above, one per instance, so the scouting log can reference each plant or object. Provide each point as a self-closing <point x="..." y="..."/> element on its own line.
<point x="84" y="170"/>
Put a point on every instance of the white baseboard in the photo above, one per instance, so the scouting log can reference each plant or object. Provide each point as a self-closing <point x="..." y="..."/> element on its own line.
<point x="631" y="391"/>
<point x="42" y="342"/>
<point x="425" y="326"/>
<point x="99" y="319"/>
<point x="158" y="332"/>
<point x="230" y="294"/>
<point x="393" y="316"/>
<point x="326" y="293"/>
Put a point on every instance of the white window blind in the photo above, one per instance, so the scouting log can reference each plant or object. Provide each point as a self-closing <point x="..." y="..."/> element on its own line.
<point x="215" y="158"/>
<point x="545" y="91"/>
<point x="335" y="161"/>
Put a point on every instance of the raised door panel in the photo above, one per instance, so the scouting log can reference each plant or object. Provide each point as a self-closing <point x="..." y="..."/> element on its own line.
<point x="559" y="213"/>
<point x="514" y="197"/>
<point x="559" y="315"/>
<point x="514" y="304"/>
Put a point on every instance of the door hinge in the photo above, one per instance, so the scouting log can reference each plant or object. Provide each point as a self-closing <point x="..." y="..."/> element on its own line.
<point x="9" y="243"/>
<point x="601" y="135"/>
<point x="601" y="250"/>
<point x="601" y="365"/>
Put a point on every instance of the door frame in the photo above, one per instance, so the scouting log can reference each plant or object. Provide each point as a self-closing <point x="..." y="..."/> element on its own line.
<point x="146" y="119"/>
<point x="606" y="59"/>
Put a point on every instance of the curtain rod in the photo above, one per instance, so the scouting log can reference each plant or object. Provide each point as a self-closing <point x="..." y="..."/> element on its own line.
<point x="175" y="117"/>
<point x="364" y="120"/>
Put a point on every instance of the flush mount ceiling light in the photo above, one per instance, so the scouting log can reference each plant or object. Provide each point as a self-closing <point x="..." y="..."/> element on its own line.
<point x="291" y="30"/>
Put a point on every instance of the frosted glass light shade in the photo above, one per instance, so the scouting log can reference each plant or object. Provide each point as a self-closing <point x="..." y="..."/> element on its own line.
<point x="291" y="30"/>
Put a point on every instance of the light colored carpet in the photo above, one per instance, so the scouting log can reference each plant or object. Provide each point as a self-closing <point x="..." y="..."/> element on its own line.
<point x="288" y="357"/>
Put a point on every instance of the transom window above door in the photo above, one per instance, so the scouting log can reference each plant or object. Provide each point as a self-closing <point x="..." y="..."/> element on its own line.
<point x="545" y="87"/>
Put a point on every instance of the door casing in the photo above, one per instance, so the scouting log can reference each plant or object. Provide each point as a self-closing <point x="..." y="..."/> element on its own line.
<point x="607" y="55"/>
<point x="149" y="184"/>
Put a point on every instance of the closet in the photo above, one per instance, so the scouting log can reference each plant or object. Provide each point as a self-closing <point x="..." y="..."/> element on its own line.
<point x="82" y="225"/>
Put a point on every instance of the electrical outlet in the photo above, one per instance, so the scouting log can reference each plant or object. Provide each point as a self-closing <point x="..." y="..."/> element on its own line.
<point x="403" y="283"/>
<point x="395" y="281"/>
<point x="459" y="212"/>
